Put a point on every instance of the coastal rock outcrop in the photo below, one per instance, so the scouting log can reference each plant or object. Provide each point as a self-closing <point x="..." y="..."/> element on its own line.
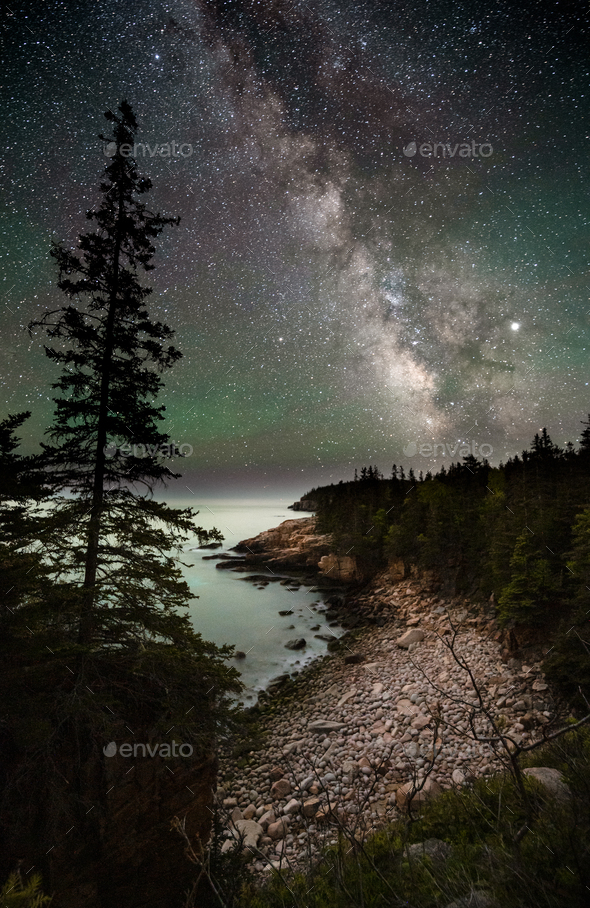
<point x="293" y="544"/>
<point x="340" y="567"/>
<point x="304" y="504"/>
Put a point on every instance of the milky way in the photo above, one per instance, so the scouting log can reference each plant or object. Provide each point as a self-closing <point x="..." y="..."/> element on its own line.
<point x="384" y="234"/>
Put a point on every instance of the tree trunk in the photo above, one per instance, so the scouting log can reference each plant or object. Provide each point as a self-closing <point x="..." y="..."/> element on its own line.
<point x="86" y="628"/>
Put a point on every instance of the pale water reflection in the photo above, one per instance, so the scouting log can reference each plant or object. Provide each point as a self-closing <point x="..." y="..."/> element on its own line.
<point x="232" y="610"/>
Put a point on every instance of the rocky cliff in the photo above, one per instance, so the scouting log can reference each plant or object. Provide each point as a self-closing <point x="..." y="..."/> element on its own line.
<point x="293" y="545"/>
<point x="304" y="504"/>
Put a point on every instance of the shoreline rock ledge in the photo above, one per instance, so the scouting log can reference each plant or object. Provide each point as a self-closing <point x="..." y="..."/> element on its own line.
<point x="293" y="545"/>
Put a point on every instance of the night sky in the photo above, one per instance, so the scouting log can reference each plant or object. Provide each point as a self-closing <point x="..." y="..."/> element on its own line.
<point x="342" y="287"/>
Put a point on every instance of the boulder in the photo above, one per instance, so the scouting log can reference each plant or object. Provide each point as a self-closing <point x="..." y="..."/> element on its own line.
<point x="324" y="726"/>
<point x="414" y="635"/>
<point x="297" y="643"/>
<point x="429" y="790"/>
<point x="350" y="768"/>
<point x="540" y="685"/>
<point x="406" y="707"/>
<point x="276" y="773"/>
<point x="267" y="818"/>
<point x="354" y="659"/>
<point x="292" y="807"/>
<point x="310" y="807"/>
<point x="435" y="849"/>
<point x="278" y="830"/>
<point x="250" y="812"/>
<point x="250" y="830"/>
<point x="420" y="722"/>
<point x="280" y="789"/>
<point x="551" y="780"/>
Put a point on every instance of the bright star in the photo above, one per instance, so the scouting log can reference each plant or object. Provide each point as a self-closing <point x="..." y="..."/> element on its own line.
<point x="515" y="326"/>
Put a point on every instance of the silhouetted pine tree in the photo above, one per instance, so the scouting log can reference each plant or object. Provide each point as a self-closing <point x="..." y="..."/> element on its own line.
<point x="119" y="541"/>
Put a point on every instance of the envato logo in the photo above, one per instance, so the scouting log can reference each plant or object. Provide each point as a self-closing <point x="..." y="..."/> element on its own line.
<point x="171" y="149"/>
<point x="142" y="750"/>
<point x="170" y="450"/>
<point x="446" y="150"/>
<point x="462" y="449"/>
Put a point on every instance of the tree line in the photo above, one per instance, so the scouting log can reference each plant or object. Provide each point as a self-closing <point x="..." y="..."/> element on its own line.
<point x="518" y="532"/>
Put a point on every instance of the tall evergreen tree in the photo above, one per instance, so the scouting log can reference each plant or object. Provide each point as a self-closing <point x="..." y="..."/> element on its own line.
<point x="112" y="352"/>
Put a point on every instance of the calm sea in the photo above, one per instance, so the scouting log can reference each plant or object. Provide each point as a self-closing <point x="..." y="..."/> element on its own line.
<point x="231" y="610"/>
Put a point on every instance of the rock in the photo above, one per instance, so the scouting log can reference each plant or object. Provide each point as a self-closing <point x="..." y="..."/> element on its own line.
<point x="250" y="812"/>
<point x="293" y="747"/>
<point x="350" y="768"/>
<point x="236" y="814"/>
<point x="298" y="643"/>
<point x="323" y="814"/>
<point x="415" y="635"/>
<point x="458" y="777"/>
<point x="267" y="818"/>
<point x="396" y="570"/>
<point x="276" y="773"/>
<point x="324" y="726"/>
<point x="383" y="767"/>
<point x="437" y="850"/>
<point x="429" y="790"/>
<point x="250" y="830"/>
<point x="280" y="789"/>
<point x="310" y="807"/>
<point x="354" y="659"/>
<point x="278" y="830"/>
<point x="551" y="780"/>
<point x="339" y="567"/>
<point x="229" y="802"/>
<point x="420" y="722"/>
<point x="292" y="807"/>
<point x="527" y="721"/>
<point x="540" y="685"/>
<point x="286" y="612"/>
<point x="412" y="749"/>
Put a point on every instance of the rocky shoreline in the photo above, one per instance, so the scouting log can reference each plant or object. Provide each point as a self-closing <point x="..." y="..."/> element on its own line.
<point x="346" y="740"/>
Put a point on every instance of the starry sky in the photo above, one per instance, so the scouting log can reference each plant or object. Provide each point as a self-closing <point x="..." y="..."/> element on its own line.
<point x="384" y="220"/>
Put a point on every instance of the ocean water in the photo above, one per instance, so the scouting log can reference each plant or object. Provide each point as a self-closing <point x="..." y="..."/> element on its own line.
<point x="232" y="610"/>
